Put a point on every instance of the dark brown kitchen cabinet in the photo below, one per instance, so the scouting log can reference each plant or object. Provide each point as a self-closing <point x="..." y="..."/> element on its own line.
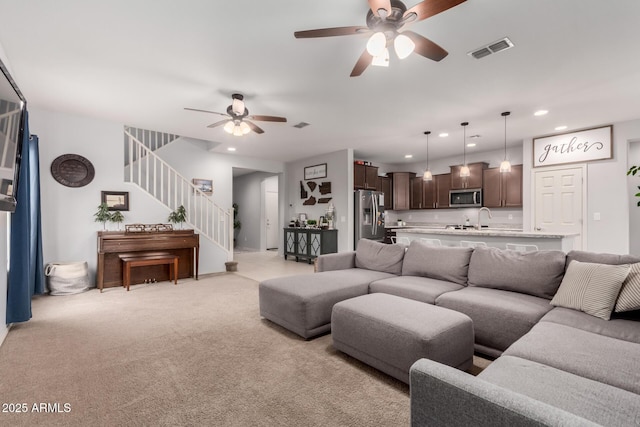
<point x="443" y="185"/>
<point x="384" y="185"/>
<point x="365" y="177"/>
<point x="502" y="190"/>
<point x="435" y="193"/>
<point x="415" y="200"/>
<point x="401" y="189"/>
<point x="474" y="180"/>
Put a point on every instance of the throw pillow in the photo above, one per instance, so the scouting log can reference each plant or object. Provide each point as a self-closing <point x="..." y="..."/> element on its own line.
<point x="591" y="288"/>
<point x="437" y="262"/>
<point x="629" y="298"/>
<point x="377" y="256"/>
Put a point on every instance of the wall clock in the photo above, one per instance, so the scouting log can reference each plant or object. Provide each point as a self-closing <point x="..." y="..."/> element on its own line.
<point x="72" y="170"/>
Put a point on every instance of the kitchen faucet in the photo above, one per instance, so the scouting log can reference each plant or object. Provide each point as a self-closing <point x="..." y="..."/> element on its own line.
<point x="479" y="212"/>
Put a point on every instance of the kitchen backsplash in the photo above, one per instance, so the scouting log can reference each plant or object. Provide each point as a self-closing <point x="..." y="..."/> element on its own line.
<point x="506" y="218"/>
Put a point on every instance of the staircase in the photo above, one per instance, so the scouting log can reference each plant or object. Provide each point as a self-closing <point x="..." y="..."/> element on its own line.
<point x="153" y="175"/>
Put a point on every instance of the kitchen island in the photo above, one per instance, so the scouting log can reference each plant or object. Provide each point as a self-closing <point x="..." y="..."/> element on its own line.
<point x="493" y="237"/>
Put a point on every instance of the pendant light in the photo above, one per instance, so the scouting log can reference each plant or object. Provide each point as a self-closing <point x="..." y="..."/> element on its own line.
<point x="505" y="166"/>
<point x="427" y="173"/>
<point x="464" y="170"/>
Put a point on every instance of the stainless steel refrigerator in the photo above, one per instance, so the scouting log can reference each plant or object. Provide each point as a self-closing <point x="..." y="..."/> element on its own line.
<point x="369" y="215"/>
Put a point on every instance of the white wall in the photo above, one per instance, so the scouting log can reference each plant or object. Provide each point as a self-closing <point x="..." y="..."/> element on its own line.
<point x="634" y="209"/>
<point x="248" y="193"/>
<point x="69" y="230"/>
<point x="340" y="174"/>
<point x="607" y="193"/>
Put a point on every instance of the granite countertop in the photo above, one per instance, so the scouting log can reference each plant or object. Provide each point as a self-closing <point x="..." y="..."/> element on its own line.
<point x="488" y="232"/>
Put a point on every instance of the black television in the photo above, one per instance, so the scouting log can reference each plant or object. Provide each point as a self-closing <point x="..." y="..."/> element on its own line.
<point x="12" y="118"/>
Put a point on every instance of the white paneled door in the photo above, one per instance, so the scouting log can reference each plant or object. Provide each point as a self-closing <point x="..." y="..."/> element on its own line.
<point x="559" y="202"/>
<point x="271" y="211"/>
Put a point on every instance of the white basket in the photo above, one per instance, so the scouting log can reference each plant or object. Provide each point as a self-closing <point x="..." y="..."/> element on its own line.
<point x="67" y="278"/>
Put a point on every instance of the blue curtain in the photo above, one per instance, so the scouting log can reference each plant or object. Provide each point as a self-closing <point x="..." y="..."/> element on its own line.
<point x="26" y="269"/>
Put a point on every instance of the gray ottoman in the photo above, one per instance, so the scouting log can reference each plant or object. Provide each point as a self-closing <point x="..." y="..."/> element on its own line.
<point x="390" y="333"/>
<point x="303" y="303"/>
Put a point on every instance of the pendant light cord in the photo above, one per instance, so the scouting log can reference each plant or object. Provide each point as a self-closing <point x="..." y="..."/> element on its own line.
<point x="464" y="142"/>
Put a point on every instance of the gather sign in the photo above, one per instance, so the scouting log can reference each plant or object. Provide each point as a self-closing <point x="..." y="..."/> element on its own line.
<point x="573" y="147"/>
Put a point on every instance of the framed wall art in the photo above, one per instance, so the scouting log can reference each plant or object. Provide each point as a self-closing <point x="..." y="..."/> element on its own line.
<point x="316" y="171"/>
<point x="204" y="185"/>
<point x="573" y="147"/>
<point x="116" y="200"/>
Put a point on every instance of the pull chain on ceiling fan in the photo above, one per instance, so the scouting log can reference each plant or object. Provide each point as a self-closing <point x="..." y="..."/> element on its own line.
<point x="238" y="122"/>
<point x="385" y="18"/>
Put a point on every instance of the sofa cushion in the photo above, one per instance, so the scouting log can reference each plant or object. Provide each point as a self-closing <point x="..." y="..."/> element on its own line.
<point x="622" y="329"/>
<point x="595" y="401"/>
<point x="377" y="256"/>
<point x="422" y="289"/>
<point x="592" y="288"/>
<point x="629" y="298"/>
<point x="597" y="357"/>
<point x="601" y="258"/>
<point x="437" y="262"/>
<point x="536" y="273"/>
<point x="499" y="317"/>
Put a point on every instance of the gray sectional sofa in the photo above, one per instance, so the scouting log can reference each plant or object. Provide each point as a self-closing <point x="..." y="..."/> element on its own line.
<point x="554" y="365"/>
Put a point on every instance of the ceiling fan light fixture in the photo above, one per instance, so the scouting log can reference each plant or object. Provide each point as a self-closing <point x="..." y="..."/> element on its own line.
<point x="403" y="45"/>
<point x="381" y="60"/>
<point x="228" y="127"/>
<point x="237" y="131"/>
<point x="377" y="44"/>
<point x="237" y="106"/>
<point x="244" y="128"/>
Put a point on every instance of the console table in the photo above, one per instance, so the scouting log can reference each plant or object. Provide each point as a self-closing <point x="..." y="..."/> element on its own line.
<point x="308" y="243"/>
<point x="114" y="244"/>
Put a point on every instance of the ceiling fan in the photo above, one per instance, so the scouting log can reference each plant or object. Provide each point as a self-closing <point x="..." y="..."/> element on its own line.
<point x="237" y="122"/>
<point x="384" y="19"/>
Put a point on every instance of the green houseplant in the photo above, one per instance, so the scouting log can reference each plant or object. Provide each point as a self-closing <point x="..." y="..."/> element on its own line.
<point x="117" y="217"/>
<point x="103" y="215"/>
<point x="178" y="216"/>
<point x="633" y="170"/>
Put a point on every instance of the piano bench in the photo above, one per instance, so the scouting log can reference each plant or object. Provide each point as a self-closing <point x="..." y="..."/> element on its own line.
<point x="145" y="259"/>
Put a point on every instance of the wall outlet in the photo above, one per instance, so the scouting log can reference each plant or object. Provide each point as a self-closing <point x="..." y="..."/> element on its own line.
<point x="596" y="216"/>
<point x="510" y="216"/>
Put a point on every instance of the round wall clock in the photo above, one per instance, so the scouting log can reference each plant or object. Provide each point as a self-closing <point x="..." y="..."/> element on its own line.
<point x="72" y="170"/>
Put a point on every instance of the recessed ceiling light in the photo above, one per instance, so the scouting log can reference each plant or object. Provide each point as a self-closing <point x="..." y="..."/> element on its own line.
<point x="443" y="135"/>
<point x="471" y="144"/>
<point x="231" y="149"/>
<point x="540" y="113"/>
<point x="561" y="128"/>
<point x="408" y="156"/>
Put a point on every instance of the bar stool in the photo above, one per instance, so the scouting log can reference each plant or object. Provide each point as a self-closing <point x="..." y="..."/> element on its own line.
<point x="432" y="242"/>
<point x="521" y="247"/>
<point x="469" y="244"/>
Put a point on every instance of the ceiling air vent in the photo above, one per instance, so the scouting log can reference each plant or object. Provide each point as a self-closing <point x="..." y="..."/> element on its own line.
<point x="301" y="125"/>
<point x="494" y="47"/>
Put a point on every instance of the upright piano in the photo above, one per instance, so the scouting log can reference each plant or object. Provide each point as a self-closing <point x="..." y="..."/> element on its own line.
<point x="112" y="244"/>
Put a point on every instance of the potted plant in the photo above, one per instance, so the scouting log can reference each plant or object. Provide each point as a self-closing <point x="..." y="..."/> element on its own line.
<point x="103" y="215"/>
<point x="237" y="225"/>
<point x="311" y="223"/>
<point x="633" y="170"/>
<point x="178" y="216"/>
<point x="117" y="217"/>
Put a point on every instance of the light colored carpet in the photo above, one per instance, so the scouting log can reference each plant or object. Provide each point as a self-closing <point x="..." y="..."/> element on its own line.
<point x="193" y="354"/>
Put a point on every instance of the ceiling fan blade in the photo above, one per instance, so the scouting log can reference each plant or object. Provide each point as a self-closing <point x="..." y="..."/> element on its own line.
<point x="267" y="118"/>
<point x="254" y="127"/>
<point x="205" y="111"/>
<point x="221" y="122"/>
<point x="426" y="47"/>
<point x="363" y="62"/>
<point x="376" y="5"/>
<point x="429" y="8"/>
<point x="331" y="32"/>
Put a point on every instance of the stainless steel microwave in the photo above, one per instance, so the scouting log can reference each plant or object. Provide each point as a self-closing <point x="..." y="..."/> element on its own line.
<point x="467" y="198"/>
